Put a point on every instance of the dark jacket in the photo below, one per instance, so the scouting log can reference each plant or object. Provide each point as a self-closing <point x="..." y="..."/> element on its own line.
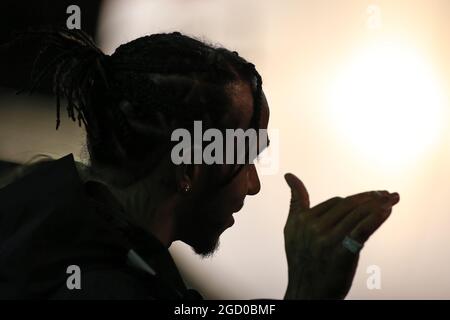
<point x="50" y="220"/>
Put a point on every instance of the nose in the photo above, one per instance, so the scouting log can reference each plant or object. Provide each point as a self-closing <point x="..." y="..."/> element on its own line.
<point x="254" y="185"/>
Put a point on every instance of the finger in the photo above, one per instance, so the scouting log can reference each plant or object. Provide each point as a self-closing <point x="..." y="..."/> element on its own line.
<point x="299" y="194"/>
<point x="369" y="225"/>
<point x="333" y="216"/>
<point x="325" y="206"/>
<point x="351" y="220"/>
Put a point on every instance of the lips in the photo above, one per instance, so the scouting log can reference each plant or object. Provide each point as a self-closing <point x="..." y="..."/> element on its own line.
<point x="240" y="207"/>
<point x="231" y="218"/>
<point x="230" y="222"/>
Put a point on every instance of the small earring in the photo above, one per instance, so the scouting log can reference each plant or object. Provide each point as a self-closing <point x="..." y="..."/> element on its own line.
<point x="187" y="188"/>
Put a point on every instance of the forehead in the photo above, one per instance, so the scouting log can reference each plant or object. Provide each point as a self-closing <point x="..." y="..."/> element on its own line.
<point x="241" y="110"/>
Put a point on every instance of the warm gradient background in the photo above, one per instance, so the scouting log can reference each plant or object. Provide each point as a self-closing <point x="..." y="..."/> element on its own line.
<point x="358" y="108"/>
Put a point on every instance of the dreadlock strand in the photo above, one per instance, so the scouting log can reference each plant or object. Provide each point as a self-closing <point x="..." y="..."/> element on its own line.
<point x="58" y="109"/>
<point x="45" y="71"/>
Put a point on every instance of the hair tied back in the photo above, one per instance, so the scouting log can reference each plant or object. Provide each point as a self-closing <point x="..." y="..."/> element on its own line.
<point x="76" y="63"/>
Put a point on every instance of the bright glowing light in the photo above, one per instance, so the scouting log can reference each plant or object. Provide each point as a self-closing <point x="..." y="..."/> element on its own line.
<point x="388" y="104"/>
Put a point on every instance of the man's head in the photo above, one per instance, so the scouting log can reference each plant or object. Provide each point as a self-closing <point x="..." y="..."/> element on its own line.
<point x="132" y="101"/>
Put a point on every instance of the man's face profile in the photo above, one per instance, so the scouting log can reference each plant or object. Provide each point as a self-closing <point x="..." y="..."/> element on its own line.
<point x="211" y="211"/>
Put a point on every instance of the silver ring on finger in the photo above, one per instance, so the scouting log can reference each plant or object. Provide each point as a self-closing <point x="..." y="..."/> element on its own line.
<point x="352" y="245"/>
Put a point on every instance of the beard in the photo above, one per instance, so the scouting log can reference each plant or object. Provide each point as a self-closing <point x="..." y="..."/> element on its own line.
<point x="207" y="249"/>
<point x="201" y="227"/>
<point x="203" y="236"/>
<point x="205" y="242"/>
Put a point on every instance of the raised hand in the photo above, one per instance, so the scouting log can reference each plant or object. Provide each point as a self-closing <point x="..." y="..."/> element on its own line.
<point x="320" y="266"/>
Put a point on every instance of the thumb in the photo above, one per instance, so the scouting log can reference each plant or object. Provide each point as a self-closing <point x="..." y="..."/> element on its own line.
<point x="299" y="194"/>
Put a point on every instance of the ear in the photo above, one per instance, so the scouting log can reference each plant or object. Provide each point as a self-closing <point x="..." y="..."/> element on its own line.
<point x="188" y="177"/>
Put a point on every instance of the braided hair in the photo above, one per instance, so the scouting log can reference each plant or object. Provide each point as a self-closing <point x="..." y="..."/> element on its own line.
<point x="131" y="101"/>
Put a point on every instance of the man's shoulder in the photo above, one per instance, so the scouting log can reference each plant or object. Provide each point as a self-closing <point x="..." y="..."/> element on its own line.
<point x="108" y="283"/>
<point x="121" y="283"/>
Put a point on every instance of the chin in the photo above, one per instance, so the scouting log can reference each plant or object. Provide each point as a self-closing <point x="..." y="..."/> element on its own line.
<point x="206" y="249"/>
<point x="204" y="240"/>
